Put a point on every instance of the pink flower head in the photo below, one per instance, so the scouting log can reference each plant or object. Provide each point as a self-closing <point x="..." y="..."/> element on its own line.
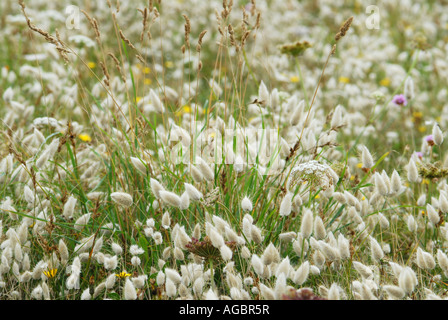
<point x="430" y="140"/>
<point x="419" y="154"/>
<point x="400" y="100"/>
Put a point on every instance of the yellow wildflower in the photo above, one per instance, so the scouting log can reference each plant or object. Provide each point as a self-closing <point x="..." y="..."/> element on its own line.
<point x="91" y="64"/>
<point x="85" y="137"/>
<point x="169" y="64"/>
<point x="417" y="114"/>
<point x="422" y="129"/>
<point x="359" y="165"/>
<point x="385" y="82"/>
<point x="123" y="275"/>
<point x="344" y="80"/>
<point x="50" y="273"/>
<point x="294" y="79"/>
<point x="186" y="109"/>
<point x="147" y="70"/>
<point x="147" y="81"/>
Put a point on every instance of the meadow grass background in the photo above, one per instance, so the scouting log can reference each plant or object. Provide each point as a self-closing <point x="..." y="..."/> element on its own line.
<point x="351" y="206"/>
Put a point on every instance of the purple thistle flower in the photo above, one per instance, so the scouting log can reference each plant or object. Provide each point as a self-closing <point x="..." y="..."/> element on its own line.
<point x="400" y="100"/>
<point x="419" y="154"/>
<point x="429" y="138"/>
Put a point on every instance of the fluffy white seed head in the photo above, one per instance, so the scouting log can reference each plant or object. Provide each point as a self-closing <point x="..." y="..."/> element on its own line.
<point x="409" y="88"/>
<point x="437" y="134"/>
<point x="263" y="93"/>
<point x="319" y="228"/>
<point x="286" y="205"/>
<point x="157" y="104"/>
<point x="226" y="253"/>
<point x="407" y="280"/>
<point x="138" y="164"/>
<point x="156" y="187"/>
<point x="413" y="175"/>
<point x="246" y="204"/>
<point x="184" y="201"/>
<point x="122" y="198"/>
<point x="334" y="292"/>
<point x="170" y="198"/>
<point x="433" y="215"/>
<point x="301" y="275"/>
<point x="194" y="193"/>
<point x="166" y="220"/>
<point x="394" y="291"/>
<point x="366" y="158"/>
<point x="69" y="208"/>
<point x="306" y="228"/>
<point x="376" y="250"/>
<point x="363" y="270"/>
